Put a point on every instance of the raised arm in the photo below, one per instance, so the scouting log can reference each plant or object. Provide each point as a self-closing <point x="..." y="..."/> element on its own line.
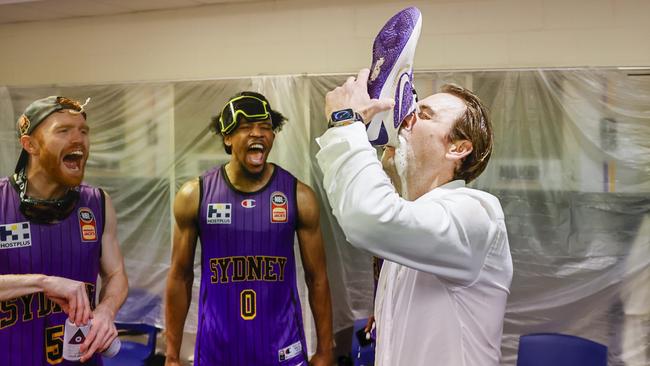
<point x="443" y="236"/>
<point x="181" y="274"/>
<point x="313" y="259"/>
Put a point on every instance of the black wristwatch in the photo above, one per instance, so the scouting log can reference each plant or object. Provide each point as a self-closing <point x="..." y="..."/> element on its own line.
<point x="343" y="117"/>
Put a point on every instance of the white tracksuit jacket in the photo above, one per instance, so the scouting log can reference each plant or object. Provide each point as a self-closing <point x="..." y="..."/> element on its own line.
<point x="443" y="287"/>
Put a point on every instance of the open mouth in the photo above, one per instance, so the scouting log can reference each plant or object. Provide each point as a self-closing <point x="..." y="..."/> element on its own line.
<point x="256" y="154"/>
<point x="73" y="160"/>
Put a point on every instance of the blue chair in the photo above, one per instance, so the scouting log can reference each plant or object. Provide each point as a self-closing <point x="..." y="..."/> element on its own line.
<point x="554" y="349"/>
<point x="361" y="355"/>
<point x="134" y="353"/>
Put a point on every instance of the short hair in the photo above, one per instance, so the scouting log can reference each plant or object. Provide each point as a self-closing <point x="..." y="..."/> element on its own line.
<point x="473" y="125"/>
<point x="277" y="119"/>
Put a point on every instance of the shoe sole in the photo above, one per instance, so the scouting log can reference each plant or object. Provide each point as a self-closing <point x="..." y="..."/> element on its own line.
<point x="391" y="73"/>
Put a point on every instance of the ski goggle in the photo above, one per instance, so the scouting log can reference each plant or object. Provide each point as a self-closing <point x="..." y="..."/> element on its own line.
<point x="44" y="211"/>
<point x="252" y="108"/>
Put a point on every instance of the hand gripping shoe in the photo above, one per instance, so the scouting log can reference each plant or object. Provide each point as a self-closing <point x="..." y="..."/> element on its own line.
<point x="391" y="74"/>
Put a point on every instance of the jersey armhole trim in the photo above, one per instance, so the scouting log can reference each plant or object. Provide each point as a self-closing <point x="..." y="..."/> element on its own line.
<point x="198" y="213"/>
<point x="102" y="204"/>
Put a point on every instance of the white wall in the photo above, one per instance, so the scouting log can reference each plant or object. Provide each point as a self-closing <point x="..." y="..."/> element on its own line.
<point x="307" y="36"/>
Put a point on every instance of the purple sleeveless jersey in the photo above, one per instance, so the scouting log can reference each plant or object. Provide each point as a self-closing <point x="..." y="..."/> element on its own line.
<point x="31" y="326"/>
<point x="249" y="309"/>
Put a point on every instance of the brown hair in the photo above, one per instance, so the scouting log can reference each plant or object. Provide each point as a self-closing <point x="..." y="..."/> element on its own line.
<point x="473" y="125"/>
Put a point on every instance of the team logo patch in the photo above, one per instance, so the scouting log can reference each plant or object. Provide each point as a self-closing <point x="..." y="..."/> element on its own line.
<point x="87" y="224"/>
<point x="290" y="352"/>
<point x="16" y="235"/>
<point x="279" y="207"/>
<point x="249" y="203"/>
<point x="219" y="213"/>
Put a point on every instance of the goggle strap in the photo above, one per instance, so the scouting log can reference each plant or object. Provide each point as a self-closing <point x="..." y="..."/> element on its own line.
<point x="234" y="118"/>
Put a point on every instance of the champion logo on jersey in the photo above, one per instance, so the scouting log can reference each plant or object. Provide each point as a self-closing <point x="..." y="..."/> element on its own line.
<point x="87" y="224"/>
<point x="248" y="203"/>
<point x="16" y="235"/>
<point x="290" y="352"/>
<point x="279" y="207"/>
<point x="219" y="213"/>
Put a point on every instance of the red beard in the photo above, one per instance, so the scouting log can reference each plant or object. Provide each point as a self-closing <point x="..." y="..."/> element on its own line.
<point x="51" y="163"/>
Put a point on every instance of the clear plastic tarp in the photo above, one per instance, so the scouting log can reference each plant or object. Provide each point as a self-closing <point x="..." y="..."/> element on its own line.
<point x="571" y="166"/>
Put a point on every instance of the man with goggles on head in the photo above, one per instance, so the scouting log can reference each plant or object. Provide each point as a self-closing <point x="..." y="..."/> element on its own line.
<point x="56" y="236"/>
<point x="246" y="214"/>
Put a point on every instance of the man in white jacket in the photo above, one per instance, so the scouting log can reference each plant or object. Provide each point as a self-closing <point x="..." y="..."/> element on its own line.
<point x="445" y="280"/>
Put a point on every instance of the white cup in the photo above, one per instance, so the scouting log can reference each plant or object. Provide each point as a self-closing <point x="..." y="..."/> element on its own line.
<point x="74" y="336"/>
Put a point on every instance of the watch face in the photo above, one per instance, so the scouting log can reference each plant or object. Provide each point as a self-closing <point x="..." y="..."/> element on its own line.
<point x="342" y="115"/>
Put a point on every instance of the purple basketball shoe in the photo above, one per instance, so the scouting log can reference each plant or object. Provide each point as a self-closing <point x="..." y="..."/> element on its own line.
<point x="391" y="74"/>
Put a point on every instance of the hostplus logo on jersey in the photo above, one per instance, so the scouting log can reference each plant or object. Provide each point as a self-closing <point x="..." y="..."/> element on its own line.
<point x="219" y="213"/>
<point x="16" y="235"/>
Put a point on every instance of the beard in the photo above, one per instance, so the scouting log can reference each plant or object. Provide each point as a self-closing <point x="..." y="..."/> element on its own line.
<point x="52" y="166"/>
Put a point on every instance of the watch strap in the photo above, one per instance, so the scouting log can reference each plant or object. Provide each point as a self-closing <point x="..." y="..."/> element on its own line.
<point x="353" y="117"/>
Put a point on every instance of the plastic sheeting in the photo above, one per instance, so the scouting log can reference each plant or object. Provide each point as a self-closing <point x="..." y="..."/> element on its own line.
<point x="571" y="166"/>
